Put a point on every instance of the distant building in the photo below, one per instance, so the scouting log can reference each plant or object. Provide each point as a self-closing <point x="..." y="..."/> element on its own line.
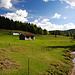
<point x="23" y="36"/>
<point x="14" y="33"/>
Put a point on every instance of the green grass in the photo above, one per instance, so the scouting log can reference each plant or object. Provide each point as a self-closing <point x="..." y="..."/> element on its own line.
<point x="48" y="55"/>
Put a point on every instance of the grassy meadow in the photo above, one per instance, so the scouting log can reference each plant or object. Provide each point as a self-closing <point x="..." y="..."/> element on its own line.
<point x="47" y="55"/>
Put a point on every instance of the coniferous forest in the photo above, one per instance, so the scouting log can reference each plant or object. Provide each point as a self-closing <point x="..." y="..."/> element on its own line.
<point x="6" y="23"/>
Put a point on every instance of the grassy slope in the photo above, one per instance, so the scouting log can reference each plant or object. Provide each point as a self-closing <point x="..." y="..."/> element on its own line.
<point x="47" y="54"/>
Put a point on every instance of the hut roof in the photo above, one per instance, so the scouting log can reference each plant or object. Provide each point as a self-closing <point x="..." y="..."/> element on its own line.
<point x="28" y="34"/>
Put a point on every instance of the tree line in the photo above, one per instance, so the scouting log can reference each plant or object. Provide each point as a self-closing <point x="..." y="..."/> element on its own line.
<point x="6" y="23"/>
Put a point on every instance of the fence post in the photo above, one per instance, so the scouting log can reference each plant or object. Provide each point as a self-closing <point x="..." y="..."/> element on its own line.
<point x="28" y="66"/>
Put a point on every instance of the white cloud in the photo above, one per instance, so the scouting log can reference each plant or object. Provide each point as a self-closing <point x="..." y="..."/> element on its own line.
<point x="64" y="17"/>
<point x="44" y="20"/>
<point x="40" y="17"/>
<point x="69" y="26"/>
<point x="36" y="21"/>
<point x="22" y="13"/>
<point x="48" y="0"/>
<point x="9" y="4"/>
<point x="49" y="26"/>
<point x="67" y="6"/>
<point x="19" y="15"/>
<point x="71" y="2"/>
<point x="56" y="15"/>
<point x="5" y="3"/>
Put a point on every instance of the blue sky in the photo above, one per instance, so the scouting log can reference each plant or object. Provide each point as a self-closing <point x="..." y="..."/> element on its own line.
<point x="47" y="14"/>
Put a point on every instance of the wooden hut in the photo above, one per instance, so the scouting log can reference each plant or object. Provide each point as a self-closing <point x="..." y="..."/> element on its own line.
<point x="14" y="33"/>
<point x="23" y="36"/>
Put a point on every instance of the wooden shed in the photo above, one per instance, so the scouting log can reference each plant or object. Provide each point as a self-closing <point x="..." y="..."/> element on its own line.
<point x="23" y="36"/>
<point x="14" y="33"/>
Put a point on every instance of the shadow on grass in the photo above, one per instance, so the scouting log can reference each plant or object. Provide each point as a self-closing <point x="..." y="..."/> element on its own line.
<point x="71" y="47"/>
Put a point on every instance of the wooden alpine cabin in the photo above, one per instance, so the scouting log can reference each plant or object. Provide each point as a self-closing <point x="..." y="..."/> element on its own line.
<point x="24" y="36"/>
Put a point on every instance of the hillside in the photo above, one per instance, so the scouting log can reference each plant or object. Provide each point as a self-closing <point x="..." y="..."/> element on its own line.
<point x="47" y="54"/>
<point x="72" y="31"/>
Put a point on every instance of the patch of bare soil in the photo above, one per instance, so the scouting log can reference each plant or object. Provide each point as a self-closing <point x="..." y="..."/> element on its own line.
<point x="6" y="63"/>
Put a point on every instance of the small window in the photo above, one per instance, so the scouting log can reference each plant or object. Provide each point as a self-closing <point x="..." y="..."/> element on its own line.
<point x="27" y="36"/>
<point x="32" y="37"/>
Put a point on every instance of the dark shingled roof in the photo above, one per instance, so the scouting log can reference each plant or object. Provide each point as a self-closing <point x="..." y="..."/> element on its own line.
<point x="27" y="34"/>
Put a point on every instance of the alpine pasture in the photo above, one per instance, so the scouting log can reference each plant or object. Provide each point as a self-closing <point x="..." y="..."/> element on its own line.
<point x="47" y="54"/>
